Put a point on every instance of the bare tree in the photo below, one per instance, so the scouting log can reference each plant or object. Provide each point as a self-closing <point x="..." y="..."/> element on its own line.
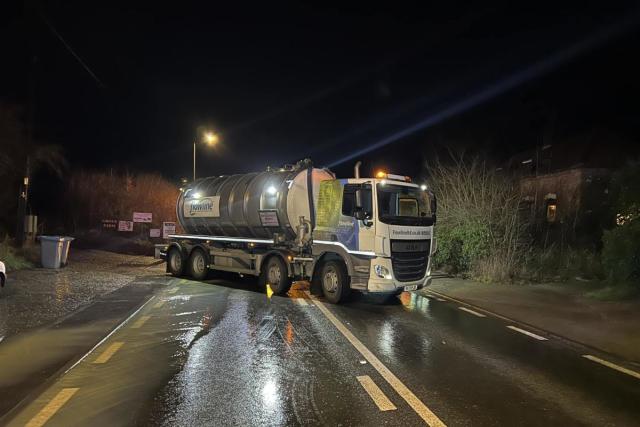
<point x="478" y="207"/>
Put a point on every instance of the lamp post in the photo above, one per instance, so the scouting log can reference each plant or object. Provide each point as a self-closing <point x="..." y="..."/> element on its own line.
<point x="210" y="138"/>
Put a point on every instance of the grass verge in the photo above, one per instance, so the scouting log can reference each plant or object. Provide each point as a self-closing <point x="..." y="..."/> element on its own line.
<point x="16" y="259"/>
<point x="614" y="293"/>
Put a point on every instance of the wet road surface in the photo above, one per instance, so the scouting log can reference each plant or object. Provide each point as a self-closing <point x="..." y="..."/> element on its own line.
<point x="221" y="353"/>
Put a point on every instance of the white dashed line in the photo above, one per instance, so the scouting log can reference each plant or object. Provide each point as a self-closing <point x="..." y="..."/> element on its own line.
<point x="173" y="290"/>
<point x="475" y="313"/>
<point x="412" y="400"/>
<point x="379" y="398"/>
<point x="612" y="365"/>
<point x="531" y="334"/>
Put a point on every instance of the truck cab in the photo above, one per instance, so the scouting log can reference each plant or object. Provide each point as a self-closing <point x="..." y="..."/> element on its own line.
<point x="383" y="229"/>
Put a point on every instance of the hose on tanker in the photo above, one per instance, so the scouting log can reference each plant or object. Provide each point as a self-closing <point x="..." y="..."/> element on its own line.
<point x="312" y="212"/>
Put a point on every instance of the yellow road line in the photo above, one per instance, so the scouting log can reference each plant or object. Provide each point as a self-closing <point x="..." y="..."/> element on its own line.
<point x="612" y="365"/>
<point x="416" y="404"/>
<point x="173" y="290"/>
<point x="475" y="313"/>
<point x="531" y="334"/>
<point x="382" y="402"/>
<point x="52" y="407"/>
<point x="110" y="351"/>
<point x="113" y="331"/>
<point x="141" y="321"/>
<point x="159" y="304"/>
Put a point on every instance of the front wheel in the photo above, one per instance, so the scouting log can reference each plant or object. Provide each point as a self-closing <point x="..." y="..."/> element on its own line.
<point x="175" y="262"/>
<point x="335" y="282"/>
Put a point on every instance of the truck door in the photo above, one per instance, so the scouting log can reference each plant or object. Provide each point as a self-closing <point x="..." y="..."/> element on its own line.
<point x="357" y="204"/>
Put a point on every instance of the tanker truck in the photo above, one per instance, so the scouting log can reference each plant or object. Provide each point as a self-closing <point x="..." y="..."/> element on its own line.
<point x="300" y="222"/>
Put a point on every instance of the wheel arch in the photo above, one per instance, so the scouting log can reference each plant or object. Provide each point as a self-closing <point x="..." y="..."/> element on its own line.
<point x="328" y="256"/>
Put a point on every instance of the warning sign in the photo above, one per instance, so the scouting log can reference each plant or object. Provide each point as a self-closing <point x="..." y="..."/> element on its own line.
<point x="125" y="225"/>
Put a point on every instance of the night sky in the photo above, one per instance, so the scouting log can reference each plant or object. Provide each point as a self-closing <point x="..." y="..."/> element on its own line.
<point x="284" y="82"/>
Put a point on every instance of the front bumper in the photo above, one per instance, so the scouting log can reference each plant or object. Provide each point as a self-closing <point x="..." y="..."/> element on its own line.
<point x="389" y="286"/>
<point x="382" y="285"/>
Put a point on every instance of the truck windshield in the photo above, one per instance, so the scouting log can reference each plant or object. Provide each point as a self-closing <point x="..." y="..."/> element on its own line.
<point x="402" y="205"/>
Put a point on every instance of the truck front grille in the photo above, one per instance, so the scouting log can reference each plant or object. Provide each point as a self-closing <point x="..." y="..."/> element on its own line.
<point x="409" y="259"/>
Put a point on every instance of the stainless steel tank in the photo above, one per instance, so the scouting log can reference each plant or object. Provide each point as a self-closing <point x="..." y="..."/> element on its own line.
<point x="253" y="205"/>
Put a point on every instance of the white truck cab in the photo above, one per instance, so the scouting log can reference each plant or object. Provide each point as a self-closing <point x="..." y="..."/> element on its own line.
<point x="385" y="228"/>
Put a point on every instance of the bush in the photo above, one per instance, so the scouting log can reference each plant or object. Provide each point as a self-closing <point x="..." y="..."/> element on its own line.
<point x="463" y="245"/>
<point x="479" y="228"/>
<point x="621" y="244"/>
<point x="621" y="253"/>
<point x="94" y="196"/>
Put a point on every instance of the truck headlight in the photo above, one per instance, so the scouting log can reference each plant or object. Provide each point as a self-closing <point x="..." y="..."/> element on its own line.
<point x="382" y="271"/>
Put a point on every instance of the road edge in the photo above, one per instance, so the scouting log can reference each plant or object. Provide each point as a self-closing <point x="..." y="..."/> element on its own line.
<point x="577" y="345"/>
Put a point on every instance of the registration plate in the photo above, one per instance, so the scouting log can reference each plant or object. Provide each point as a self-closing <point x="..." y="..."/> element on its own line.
<point x="410" y="288"/>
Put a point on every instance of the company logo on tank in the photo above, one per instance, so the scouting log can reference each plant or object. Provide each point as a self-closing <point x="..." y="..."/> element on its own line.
<point x="203" y="207"/>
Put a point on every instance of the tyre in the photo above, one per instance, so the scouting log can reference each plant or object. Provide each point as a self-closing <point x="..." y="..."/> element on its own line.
<point x="198" y="267"/>
<point x="275" y="273"/>
<point x="335" y="281"/>
<point x="175" y="262"/>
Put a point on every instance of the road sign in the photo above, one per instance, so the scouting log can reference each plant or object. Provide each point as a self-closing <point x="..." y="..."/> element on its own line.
<point x="154" y="232"/>
<point x="142" y="217"/>
<point x="168" y="228"/>
<point x="125" y="225"/>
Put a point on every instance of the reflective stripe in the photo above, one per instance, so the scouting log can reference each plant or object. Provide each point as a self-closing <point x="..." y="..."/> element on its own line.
<point x="219" y="239"/>
<point x="248" y="240"/>
<point x="326" y="242"/>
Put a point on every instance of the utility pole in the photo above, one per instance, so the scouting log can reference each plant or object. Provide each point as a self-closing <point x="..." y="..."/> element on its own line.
<point x="23" y="195"/>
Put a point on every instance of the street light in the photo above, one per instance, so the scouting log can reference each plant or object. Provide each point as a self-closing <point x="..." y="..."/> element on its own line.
<point x="209" y="138"/>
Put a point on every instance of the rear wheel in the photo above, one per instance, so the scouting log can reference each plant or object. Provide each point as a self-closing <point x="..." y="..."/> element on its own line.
<point x="275" y="274"/>
<point x="175" y="262"/>
<point x="335" y="281"/>
<point x="198" y="268"/>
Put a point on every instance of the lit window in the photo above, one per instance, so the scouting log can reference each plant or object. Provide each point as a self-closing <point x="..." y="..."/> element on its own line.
<point x="551" y="212"/>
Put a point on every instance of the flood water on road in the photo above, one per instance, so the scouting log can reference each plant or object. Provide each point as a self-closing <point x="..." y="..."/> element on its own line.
<point x="222" y="353"/>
